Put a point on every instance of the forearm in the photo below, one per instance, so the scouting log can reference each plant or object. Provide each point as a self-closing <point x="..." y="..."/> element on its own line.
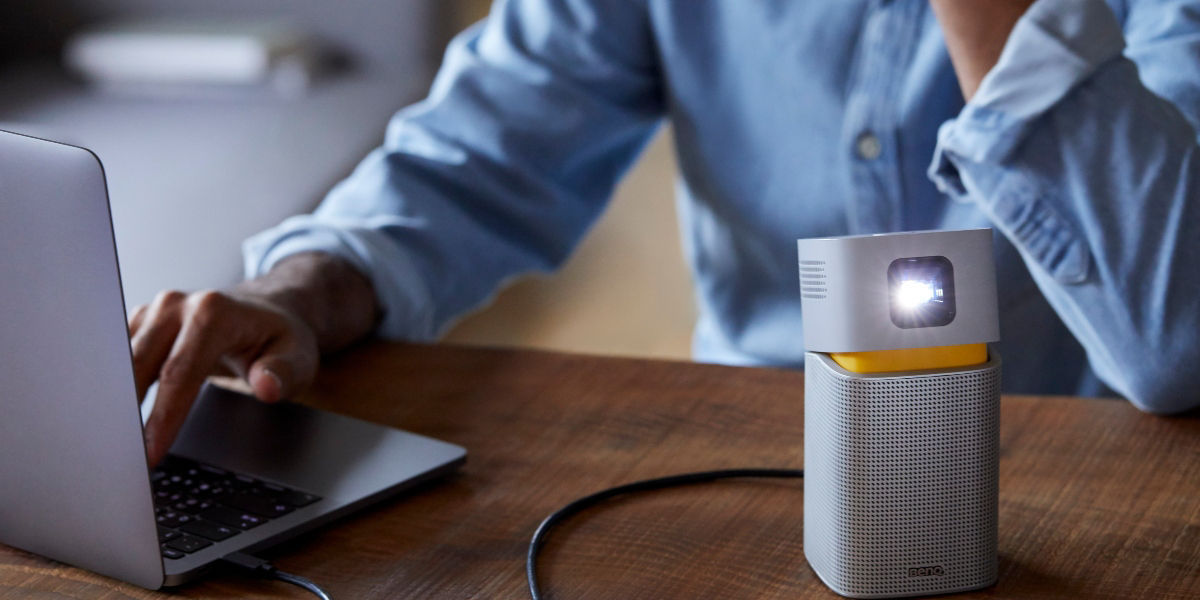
<point x="474" y="185"/>
<point x="975" y="32"/>
<point x="327" y="293"/>
<point x="1093" y="176"/>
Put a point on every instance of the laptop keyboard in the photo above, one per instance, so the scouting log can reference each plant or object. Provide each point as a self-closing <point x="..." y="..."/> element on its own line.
<point x="197" y="504"/>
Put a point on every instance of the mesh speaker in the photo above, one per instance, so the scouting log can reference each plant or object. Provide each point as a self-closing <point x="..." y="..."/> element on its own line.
<point x="901" y="485"/>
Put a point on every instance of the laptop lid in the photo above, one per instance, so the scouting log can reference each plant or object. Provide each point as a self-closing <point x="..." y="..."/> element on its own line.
<point x="71" y="444"/>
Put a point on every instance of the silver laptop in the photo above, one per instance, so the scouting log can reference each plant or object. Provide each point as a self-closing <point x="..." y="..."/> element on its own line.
<point x="74" y="485"/>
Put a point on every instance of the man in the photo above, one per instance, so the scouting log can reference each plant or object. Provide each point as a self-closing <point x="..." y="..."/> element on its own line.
<point x="792" y="119"/>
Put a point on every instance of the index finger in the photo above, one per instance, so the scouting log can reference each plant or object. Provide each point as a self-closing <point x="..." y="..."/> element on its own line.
<point x="194" y="356"/>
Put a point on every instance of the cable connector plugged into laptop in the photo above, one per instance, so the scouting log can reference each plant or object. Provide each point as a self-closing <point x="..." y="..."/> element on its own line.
<point x="250" y="563"/>
<point x="266" y="570"/>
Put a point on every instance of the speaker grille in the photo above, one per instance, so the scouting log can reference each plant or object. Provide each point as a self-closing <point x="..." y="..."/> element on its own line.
<point x="900" y="497"/>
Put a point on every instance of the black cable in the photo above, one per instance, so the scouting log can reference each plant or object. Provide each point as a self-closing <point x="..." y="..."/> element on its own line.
<point x="267" y="570"/>
<point x="539" y="536"/>
<point x="302" y="582"/>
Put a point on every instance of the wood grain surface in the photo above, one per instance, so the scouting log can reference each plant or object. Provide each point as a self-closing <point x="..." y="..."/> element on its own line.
<point x="1097" y="500"/>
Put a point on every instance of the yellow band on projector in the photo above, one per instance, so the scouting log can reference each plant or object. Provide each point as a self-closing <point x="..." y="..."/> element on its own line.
<point x="911" y="359"/>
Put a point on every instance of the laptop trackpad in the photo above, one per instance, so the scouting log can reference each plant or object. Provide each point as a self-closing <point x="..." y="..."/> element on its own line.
<point x="337" y="457"/>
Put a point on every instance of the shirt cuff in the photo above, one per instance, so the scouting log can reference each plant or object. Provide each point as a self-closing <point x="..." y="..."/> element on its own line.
<point x="1055" y="46"/>
<point x="399" y="289"/>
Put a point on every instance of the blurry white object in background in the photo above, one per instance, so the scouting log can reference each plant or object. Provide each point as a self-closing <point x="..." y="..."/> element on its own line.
<point x="175" y="56"/>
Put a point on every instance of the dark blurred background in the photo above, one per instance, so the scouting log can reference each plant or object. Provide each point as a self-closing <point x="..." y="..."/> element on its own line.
<point x="195" y="171"/>
<point x="378" y="32"/>
<point x="191" y="173"/>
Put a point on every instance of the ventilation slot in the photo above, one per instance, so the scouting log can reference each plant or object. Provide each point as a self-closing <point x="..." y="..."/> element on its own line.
<point x="812" y="280"/>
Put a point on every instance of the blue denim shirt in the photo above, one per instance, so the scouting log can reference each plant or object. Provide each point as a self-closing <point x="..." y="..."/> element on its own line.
<point x="802" y="119"/>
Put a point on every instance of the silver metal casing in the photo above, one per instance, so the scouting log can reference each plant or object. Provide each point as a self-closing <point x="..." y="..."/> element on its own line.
<point x="844" y="290"/>
<point x="901" y="478"/>
<point x="74" y="483"/>
<point x="73" y="479"/>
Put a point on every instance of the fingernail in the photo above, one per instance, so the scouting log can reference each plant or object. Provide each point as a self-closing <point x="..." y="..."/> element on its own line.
<point x="278" y="381"/>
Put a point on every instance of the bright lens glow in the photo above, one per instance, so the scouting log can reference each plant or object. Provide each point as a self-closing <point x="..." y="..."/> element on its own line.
<point x="912" y="294"/>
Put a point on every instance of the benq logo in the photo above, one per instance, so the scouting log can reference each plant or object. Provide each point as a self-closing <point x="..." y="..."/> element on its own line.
<point x="926" y="572"/>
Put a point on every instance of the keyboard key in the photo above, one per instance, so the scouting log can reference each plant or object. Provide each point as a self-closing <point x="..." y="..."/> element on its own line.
<point x="172" y="553"/>
<point x="166" y="535"/>
<point x="208" y="530"/>
<point x="188" y="544"/>
<point x="173" y="519"/>
<point x="259" y="505"/>
<point x="192" y="505"/>
<point x="185" y="489"/>
<point x="234" y="518"/>
<point x="209" y="491"/>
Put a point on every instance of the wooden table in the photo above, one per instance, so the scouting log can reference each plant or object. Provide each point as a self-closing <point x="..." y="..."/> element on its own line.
<point x="1096" y="499"/>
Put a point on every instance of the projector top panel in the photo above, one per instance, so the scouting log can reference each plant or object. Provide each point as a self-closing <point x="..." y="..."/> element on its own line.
<point x="903" y="290"/>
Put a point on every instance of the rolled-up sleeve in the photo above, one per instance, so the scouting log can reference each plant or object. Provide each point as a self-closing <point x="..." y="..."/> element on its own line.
<point x="533" y="117"/>
<point x="1080" y="145"/>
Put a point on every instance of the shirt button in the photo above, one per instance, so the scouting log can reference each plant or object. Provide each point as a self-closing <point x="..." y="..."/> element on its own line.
<point x="868" y="146"/>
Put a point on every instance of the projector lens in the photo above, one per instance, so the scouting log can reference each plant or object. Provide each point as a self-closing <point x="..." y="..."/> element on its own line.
<point x="921" y="291"/>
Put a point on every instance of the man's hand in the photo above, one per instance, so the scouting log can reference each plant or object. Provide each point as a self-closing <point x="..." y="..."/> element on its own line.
<point x="975" y="32"/>
<point x="180" y="339"/>
<point x="270" y="331"/>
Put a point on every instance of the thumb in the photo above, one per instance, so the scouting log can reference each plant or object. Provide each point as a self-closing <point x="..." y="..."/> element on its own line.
<point x="276" y="375"/>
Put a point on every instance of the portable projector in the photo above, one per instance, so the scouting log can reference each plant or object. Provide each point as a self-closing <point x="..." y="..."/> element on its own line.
<point x="901" y="411"/>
